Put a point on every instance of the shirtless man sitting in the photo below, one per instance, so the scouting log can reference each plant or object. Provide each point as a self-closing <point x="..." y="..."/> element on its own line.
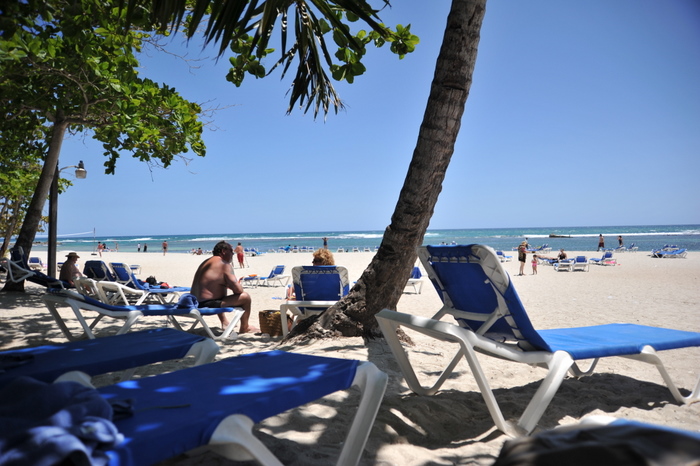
<point x="214" y="278"/>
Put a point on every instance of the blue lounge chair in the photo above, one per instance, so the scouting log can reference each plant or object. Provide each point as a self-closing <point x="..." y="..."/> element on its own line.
<point x="186" y="308"/>
<point x="35" y="263"/>
<point x="18" y="270"/>
<point x="581" y="263"/>
<point x="491" y="320"/>
<point x="316" y="288"/>
<point x="416" y="280"/>
<point x="502" y="257"/>
<point x="670" y="253"/>
<point x="276" y="276"/>
<point x="564" y="265"/>
<point x="215" y="406"/>
<point x="125" y="276"/>
<point x="102" y="355"/>
<point x="98" y="270"/>
<point x="605" y="259"/>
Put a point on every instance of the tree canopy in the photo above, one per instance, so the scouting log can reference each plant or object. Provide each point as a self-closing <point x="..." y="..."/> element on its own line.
<point x="68" y="66"/>
<point x="306" y="30"/>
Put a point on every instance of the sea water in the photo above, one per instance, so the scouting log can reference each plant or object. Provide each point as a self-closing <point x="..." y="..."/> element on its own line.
<point x="645" y="237"/>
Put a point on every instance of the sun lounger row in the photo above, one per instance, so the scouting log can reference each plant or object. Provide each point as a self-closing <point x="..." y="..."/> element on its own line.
<point x="670" y="253"/>
<point x="631" y="248"/>
<point x="123" y="274"/>
<point x="152" y="419"/>
<point x="86" y="307"/>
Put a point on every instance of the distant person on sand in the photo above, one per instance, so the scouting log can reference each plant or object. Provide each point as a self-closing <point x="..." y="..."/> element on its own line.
<point x="522" y="257"/>
<point x="100" y="248"/>
<point x="145" y="248"/>
<point x="138" y="247"/>
<point x="534" y="264"/>
<point x="70" y="271"/>
<point x="214" y="278"/>
<point x="240" y="255"/>
<point x="325" y="243"/>
<point x="165" y="247"/>
<point x="619" y="240"/>
<point x="601" y="242"/>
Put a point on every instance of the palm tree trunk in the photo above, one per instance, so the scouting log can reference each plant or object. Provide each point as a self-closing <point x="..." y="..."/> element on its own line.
<point x="26" y="236"/>
<point x="382" y="283"/>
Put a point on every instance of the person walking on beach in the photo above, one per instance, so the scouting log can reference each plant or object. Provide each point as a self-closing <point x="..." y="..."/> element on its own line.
<point x="145" y="247"/>
<point x="165" y="247"/>
<point x="325" y="243"/>
<point x="601" y="242"/>
<point x="138" y="247"/>
<point x="522" y="257"/>
<point x="212" y="280"/>
<point x="619" y="240"/>
<point x="240" y="255"/>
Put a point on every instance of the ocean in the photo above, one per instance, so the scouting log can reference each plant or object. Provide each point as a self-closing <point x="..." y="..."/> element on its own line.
<point x="646" y="237"/>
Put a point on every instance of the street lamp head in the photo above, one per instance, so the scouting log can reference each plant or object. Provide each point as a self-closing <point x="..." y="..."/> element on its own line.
<point x="80" y="171"/>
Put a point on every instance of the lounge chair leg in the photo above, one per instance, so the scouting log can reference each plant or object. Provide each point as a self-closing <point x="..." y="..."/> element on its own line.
<point x="650" y="356"/>
<point x="234" y="439"/>
<point x="372" y="384"/>
<point x="559" y="365"/>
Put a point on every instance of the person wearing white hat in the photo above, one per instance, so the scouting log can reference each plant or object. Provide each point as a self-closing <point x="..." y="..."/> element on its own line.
<point x="69" y="270"/>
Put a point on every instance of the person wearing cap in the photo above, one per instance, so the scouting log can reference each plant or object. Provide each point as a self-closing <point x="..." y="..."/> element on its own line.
<point x="70" y="271"/>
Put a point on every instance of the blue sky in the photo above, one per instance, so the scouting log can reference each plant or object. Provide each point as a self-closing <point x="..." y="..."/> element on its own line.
<point x="580" y="113"/>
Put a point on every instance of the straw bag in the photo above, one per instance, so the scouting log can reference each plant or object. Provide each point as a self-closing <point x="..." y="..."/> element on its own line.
<point x="271" y="323"/>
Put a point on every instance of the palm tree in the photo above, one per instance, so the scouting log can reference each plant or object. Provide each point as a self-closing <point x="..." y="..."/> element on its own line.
<point x="382" y="283"/>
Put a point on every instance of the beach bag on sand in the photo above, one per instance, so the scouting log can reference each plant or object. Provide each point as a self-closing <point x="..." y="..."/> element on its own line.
<point x="152" y="281"/>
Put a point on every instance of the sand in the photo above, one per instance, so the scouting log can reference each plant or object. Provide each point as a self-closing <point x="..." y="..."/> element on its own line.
<point x="453" y="426"/>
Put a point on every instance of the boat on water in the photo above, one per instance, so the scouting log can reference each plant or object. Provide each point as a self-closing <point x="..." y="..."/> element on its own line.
<point x="552" y="235"/>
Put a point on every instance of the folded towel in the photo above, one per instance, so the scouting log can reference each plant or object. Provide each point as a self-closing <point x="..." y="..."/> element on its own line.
<point x="62" y="423"/>
<point x="188" y="301"/>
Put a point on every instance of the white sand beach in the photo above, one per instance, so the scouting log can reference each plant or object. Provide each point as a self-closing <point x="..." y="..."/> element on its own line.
<point x="453" y="426"/>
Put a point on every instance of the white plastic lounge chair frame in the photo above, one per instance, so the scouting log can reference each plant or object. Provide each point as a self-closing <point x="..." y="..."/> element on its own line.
<point x="416" y="281"/>
<point x="276" y="276"/>
<point x="557" y="362"/>
<point x="564" y="265"/>
<point x="131" y="314"/>
<point x="18" y="270"/>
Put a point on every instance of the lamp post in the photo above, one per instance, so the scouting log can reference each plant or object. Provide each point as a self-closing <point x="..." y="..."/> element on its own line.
<point x="80" y="173"/>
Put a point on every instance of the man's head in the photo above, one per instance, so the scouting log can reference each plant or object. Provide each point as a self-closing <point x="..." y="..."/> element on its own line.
<point x="221" y="246"/>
